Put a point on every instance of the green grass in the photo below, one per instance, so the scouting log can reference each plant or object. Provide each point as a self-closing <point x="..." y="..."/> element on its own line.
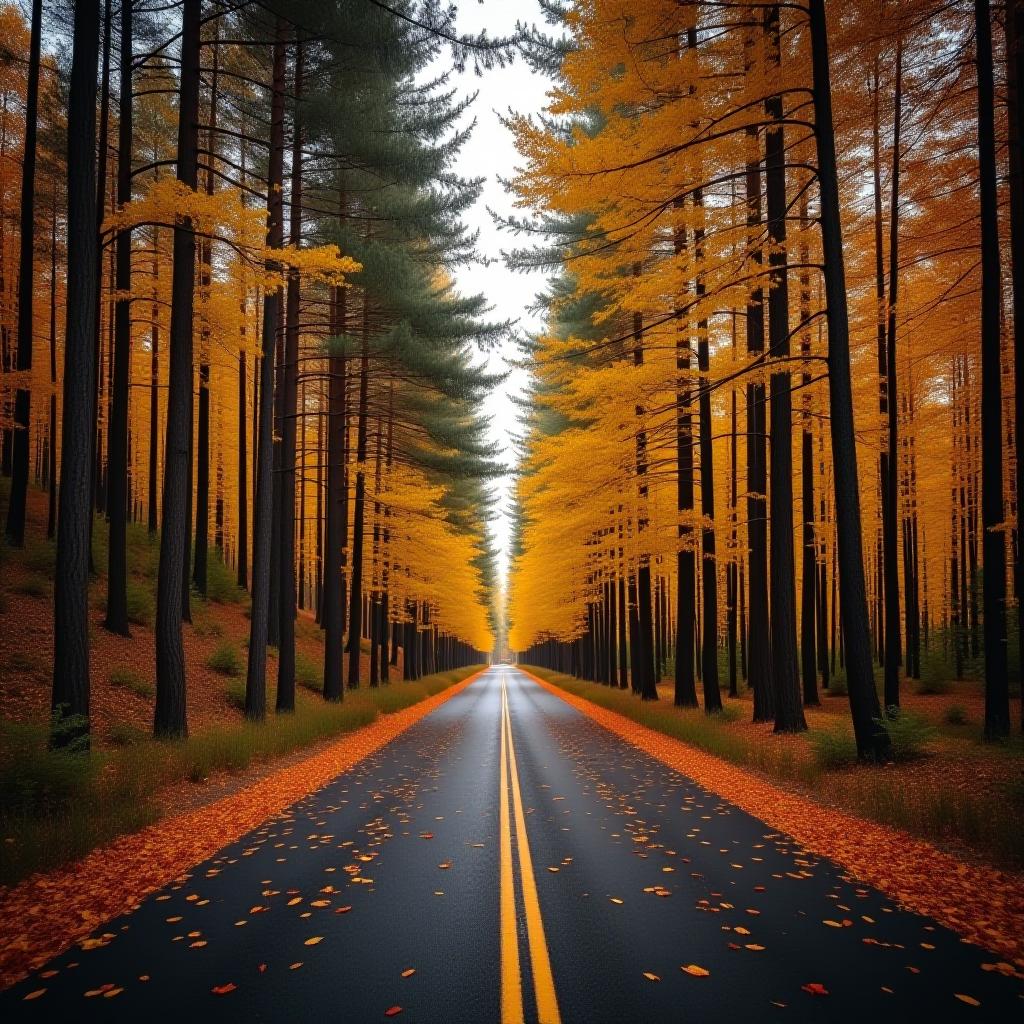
<point x="56" y="807"/>
<point x="124" y="735"/>
<point x="225" y="659"/>
<point x="32" y="586"/>
<point x="308" y="674"/>
<point x="956" y="714"/>
<point x="990" y="824"/>
<point x="834" y="747"/>
<point x="221" y="585"/>
<point x="141" y="604"/>
<point x="126" y="678"/>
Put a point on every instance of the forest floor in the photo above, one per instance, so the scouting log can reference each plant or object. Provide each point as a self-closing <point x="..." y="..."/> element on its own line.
<point x="55" y="809"/>
<point x="945" y="784"/>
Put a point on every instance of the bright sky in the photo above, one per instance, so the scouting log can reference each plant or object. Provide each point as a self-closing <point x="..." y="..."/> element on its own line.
<point x="490" y="153"/>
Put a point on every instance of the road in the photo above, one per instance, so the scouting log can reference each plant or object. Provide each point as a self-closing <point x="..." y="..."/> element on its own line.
<point x="508" y="860"/>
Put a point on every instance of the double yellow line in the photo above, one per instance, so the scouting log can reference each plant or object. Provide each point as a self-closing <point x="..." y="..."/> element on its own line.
<point x="540" y="962"/>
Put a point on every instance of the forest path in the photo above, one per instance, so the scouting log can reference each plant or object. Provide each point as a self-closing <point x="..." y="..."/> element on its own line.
<point x="414" y="860"/>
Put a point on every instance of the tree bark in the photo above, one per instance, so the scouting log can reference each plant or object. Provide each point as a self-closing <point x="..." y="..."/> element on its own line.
<point x="172" y="581"/>
<point x="997" y="698"/>
<point x="70" y="694"/>
<point x="26" y="285"/>
<point x="872" y="740"/>
<point x="117" y="447"/>
<point x="263" y="505"/>
<point x="286" y="648"/>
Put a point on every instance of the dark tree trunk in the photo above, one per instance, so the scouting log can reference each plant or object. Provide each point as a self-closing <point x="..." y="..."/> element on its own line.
<point x="154" y="392"/>
<point x="333" y="615"/>
<point x="789" y="715"/>
<point x="286" y="656"/>
<point x="51" y="433"/>
<point x="263" y="506"/>
<point x="709" y="558"/>
<point x="172" y="582"/>
<point x="997" y="698"/>
<point x="356" y="600"/>
<point x="758" y="652"/>
<point x="890" y="518"/>
<point x="1015" y="117"/>
<point x="117" y="446"/>
<point x="70" y="695"/>
<point x="101" y="195"/>
<point x="809" y="561"/>
<point x="872" y="741"/>
<point x="26" y="285"/>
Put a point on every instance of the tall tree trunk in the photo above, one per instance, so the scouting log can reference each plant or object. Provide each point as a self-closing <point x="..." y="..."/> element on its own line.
<point x="758" y="650"/>
<point x="709" y="558"/>
<point x="286" y="649"/>
<point x="333" y="615"/>
<point x="355" y="622"/>
<point x="154" y="390"/>
<point x="200" y="559"/>
<point x="51" y="432"/>
<point x="872" y="740"/>
<point x="117" y="447"/>
<point x="263" y="505"/>
<point x="172" y="581"/>
<point x="1015" y="117"/>
<point x="893" y="642"/>
<point x="809" y="561"/>
<point x="101" y="192"/>
<point x="685" y="694"/>
<point x="789" y="716"/>
<point x="26" y="285"/>
<point x="997" y="699"/>
<point x="70" y="695"/>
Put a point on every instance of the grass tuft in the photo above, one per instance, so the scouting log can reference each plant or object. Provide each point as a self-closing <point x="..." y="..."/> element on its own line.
<point x="125" y="678"/>
<point x="225" y="659"/>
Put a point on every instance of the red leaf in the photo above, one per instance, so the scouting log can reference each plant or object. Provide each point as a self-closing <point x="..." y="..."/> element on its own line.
<point x="223" y="990"/>
<point x="392" y="1011"/>
<point x="815" y="988"/>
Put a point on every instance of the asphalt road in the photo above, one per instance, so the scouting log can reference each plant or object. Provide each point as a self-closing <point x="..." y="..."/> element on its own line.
<point x="406" y="886"/>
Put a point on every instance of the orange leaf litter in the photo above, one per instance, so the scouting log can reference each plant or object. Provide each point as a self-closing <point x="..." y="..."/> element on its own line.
<point x="46" y="914"/>
<point x="981" y="904"/>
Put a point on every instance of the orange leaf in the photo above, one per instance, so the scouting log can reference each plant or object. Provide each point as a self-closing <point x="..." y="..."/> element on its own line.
<point x="695" y="970"/>
<point x="315" y="940"/>
<point x="969" y="1000"/>
<point x="223" y="990"/>
<point x="34" y="995"/>
<point x="651" y="977"/>
<point x="408" y="972"/>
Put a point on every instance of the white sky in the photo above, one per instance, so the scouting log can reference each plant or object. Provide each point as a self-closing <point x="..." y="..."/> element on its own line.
<point x="490" y="153"/>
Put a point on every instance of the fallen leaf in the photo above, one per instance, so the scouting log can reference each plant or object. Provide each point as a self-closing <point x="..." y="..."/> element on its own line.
<point x="969" y="1000"/>
<point x="392" y="1011"/>
<point x="315" y="940"/>
<point x="615" y="899"/>
<point x="408" y="972"/>
<point x="223" y="990"/>
<point x="651" y="977"/>
<point x="34" y="995"/>
<point x="695" y="970"/>
<point x="815" y="988"/>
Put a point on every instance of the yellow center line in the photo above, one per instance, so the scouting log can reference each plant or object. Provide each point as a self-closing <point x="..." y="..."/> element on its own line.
<point x="511" y="980"/>
<point x="540" y="962"/>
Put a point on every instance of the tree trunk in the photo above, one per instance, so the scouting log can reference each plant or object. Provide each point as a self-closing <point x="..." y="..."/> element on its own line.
<point x="758" y="655"/>
<point x="117" y="446"/>
<point x="997" y="698"/>
<point x="263" y="506"/>
<point x="333" y="615"/>
<point x="172" y="580"/>
<point x="789" y="716"/>
<point x="26" y="286"/>
<point x="893" y="642"/>
<point x="286" y="655"/>
<point x="70" y="695"/>
<point x="872" y="740"/>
